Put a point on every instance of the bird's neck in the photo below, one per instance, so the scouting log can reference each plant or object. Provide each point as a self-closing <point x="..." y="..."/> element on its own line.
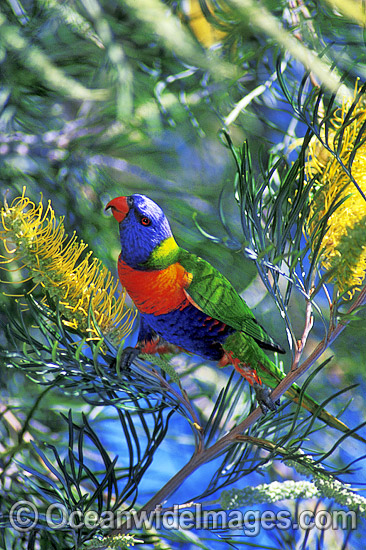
<point x="163" y="255"/>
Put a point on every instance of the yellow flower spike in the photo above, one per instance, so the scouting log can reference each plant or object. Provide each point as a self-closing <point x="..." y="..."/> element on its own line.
<point x="343" y="248"/>
<point x="32" y="234"/>
<point x="204" y="30"/>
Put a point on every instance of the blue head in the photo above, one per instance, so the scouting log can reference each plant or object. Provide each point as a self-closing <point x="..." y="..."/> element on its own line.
<point x="146" y="238"/>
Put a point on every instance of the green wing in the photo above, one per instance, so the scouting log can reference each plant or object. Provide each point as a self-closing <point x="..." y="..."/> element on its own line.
<point x="215" y="295"/>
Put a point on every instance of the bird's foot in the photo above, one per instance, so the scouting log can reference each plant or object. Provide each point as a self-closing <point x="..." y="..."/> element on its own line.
<point x="129" y="354"/>
<point x="149" y="347"/>
<point x="264" y="398"/>
<point x="263" y="394"/>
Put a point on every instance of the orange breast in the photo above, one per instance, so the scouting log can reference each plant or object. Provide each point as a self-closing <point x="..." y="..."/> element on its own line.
<point x="156" y="292"/>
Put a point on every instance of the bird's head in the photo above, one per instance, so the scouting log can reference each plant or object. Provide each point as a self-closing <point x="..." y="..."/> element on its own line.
<point x="146" y="238"/>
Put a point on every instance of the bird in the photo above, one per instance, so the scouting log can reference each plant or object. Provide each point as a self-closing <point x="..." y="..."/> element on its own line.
<point x="185" y="303"/>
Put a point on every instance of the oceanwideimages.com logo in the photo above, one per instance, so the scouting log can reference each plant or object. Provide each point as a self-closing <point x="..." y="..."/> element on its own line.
<point x="24" y="516"/>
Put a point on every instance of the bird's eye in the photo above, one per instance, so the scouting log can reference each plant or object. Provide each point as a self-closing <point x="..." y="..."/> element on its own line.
<point x="145" y="221"/>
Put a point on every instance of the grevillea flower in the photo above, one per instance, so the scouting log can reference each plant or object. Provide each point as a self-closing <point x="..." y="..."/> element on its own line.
<point x="343" y="247"/>
<point x="32" y="235"/>
<point x="200" y="17"/>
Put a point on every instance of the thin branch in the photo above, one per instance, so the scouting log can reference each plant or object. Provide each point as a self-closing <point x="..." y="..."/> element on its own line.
<point x="300" y="345"/>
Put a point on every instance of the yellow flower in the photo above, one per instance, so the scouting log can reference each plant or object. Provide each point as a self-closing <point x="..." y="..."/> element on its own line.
<point x="343" y="247"/>
<point x="32" y="235"/>
<point x="201" y="22"/>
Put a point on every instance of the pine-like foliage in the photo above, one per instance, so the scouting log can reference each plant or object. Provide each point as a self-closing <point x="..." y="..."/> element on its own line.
<point x="245" y="121"/>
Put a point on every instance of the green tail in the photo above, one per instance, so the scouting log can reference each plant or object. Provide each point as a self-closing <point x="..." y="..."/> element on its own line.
<point x="246" y="349"/>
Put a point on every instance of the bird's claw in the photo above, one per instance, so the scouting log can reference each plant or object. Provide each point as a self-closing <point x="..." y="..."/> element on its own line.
<point x="264" y="398"/>
<point x="129" y="354"/>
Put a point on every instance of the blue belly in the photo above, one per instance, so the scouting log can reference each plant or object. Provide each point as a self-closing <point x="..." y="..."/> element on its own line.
<point x="192" y="330"/>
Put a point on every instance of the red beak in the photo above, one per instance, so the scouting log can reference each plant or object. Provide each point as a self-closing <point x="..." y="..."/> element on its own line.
<point x="119" y="208"/>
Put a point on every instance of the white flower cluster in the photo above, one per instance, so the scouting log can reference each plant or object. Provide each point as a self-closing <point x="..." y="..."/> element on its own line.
<point x="320" y="486"/>
<point x="113" y="541"/>
<point x="342" y="494"/>
<point x="268" y="492"/>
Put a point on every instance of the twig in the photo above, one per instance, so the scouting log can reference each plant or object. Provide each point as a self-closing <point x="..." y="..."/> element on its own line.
<point x="327" y="294"/>
<point x="309" y="321"/>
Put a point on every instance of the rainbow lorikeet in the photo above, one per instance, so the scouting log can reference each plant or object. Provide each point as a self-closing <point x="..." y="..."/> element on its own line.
<point x="184" y="301"/>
